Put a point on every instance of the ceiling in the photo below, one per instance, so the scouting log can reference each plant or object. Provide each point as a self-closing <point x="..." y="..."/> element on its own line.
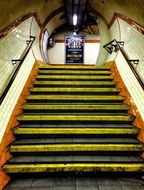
<point x="14" y="9"/>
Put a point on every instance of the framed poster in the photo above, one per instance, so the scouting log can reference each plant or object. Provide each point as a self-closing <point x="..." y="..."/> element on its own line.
<point x="74" y="48"/>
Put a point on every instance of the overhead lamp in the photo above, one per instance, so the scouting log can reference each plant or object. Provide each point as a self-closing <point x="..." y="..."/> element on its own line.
<point x="74" y="19"/>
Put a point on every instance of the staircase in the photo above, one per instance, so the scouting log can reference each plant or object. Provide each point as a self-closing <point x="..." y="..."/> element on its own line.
<point x="74" y="122"/>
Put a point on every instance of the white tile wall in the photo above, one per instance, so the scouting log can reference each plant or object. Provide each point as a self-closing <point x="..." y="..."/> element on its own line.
<point x="10" y="100"/>
<point x="131" y="83"/>
<point x="35" y="31"/>
<point x="12" y="47"/>
<point x="133" y="46"/>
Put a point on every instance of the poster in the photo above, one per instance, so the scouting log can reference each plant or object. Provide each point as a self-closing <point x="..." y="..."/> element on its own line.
<point x="74" y="49"/>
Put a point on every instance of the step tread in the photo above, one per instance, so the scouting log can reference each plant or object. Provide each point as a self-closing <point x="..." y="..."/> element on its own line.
<point x="76" y="72"/>
<point x="74" y="167"/>
<point x="38" y="117"/>
<point x="38" y="89"/>
<point x="59" y="131"/>
<point x="75" y="158"/>
<point x="74" y="77"/>
<point x="74" y="97"/>
<point x="76" y="140"/>
<point x="75" y="147"/>
<point x="74" y="107"/>
<point x="74" y="83"/>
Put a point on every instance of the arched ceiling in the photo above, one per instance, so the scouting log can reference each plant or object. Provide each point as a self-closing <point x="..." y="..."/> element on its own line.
<point x="11" y="10"/>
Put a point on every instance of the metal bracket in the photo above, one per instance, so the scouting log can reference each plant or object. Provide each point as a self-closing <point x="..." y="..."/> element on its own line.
<point x="15" y="61"/>
<point x="134" y="61"/>
<point x="113" y="46"/>
<point x="30" y="40"/>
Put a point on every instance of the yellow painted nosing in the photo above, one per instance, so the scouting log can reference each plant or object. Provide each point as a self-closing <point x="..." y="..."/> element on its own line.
<point x="75" y="147"/>
<point x="75" y="107"/>
<point x="73" y="97"/>
<point x="72" y="77"/>
<point x="34" y="89"/>
<point x="75" y="83"/>
<point x="74" y="72"/>
<point x="93" y="131"/>
<point x="75" y="117"/>
<point x="74" y="167"/>
<point x="73" y="66"/>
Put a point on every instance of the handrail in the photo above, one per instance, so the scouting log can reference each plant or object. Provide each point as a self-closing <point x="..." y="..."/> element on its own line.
<point x="132" y="67"/>
<point x="26" y="51"/>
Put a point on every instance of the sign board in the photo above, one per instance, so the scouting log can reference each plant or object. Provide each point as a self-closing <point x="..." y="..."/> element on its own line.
<point x="74" y="49"/>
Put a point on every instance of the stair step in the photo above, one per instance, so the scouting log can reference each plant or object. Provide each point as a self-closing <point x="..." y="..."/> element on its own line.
<point x="74" y="147"/>
<point x="74" y="77"/>
<point x="95" y="125"/>
<point x="74" y="84"/>
<point x="73" y="72"/>
<point x="74" y="131"/>
<point x="84" y="108"/>
<point x="82" y="140"/>
<point x="73" y="167"/>
<point x="96" y="91"/>
<point x="35" y="119"/>
<point x="74" y="158"/>
<point x="72" y="67"/>
<point x="78" y="98"/>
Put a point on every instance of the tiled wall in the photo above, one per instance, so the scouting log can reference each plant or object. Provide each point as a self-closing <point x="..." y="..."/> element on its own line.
<point x="35" y="31"/>
<point x="133" y="46"/>
<point x="131" y="83"/>
<point x="12" y="47"/>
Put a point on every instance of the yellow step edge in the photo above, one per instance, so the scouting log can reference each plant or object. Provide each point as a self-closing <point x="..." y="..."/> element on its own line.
<point x="73" y="77"/>
<point x="74" y="167"/>
<point x="75" y="147"/>
<point x="68" y="131"/>
<point x="75" y="117"/>
<point x="73" y="72"/>
<point x="75" y="107"/>
<point x="74" y="97"/>
<point x="34" y="89"/>
<point x="73" y="66"/>
<point x="75" y="82"/>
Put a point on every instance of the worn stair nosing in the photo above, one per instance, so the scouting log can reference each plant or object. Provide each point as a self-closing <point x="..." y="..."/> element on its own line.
<point x="75" y="147"/>
<point x="59" y="131"/>
<point x="73" y="167"/>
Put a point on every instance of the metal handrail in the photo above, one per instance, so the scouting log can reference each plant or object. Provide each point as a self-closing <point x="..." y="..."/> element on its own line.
<point x="132" y="67"/>
<point x="26" y="51"/>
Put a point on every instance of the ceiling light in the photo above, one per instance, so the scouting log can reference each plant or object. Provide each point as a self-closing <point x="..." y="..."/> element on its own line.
<point x="74" y="20"/>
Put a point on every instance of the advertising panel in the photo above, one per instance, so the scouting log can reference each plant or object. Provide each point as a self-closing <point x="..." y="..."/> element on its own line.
<point x="74" y="49"/>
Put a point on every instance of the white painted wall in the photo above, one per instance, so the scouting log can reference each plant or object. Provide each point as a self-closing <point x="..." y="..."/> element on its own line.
<point x="133" y="46"/>
<point x="12" y="47"/>
<point x="131" y="83"/>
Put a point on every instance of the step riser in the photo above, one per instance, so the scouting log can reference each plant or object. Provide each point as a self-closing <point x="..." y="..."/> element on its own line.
<point x="72" y="122"/>
<point x="74" y="85"/>
<point x="60" y="101"/>
<point x="51" y="111"/>
<point x="81" y="153"/>
<point x="73" y="93"/>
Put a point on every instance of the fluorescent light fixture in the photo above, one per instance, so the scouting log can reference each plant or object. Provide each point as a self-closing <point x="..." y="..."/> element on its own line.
<point x="75" y="20"/>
